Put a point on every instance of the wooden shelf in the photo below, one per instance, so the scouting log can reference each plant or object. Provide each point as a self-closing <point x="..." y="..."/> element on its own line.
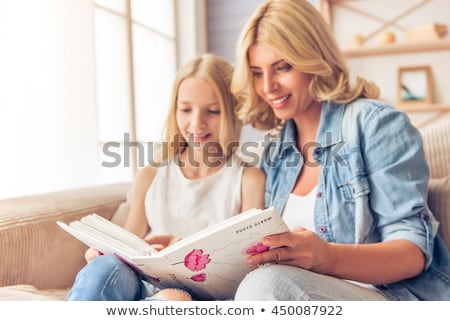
<point x="400" y="48"/>
<point x="423" y="107"/>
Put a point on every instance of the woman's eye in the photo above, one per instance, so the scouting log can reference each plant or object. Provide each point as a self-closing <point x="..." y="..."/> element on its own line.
<point x="214" y="112"/>
<point x="284" y="67"/>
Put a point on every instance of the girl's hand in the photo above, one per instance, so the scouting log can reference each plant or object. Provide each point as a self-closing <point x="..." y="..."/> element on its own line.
<point x="300" y="247"/>
<point x="91" y="254"/>
<point x="161" y="241"/>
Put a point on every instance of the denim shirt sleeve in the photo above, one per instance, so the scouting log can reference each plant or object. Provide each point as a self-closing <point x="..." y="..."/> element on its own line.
<point x="398" y="176"/>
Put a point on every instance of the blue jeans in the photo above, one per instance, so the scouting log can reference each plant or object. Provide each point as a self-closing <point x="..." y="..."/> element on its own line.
<point x="106" y="278"/>
<point x="287" y="283"/>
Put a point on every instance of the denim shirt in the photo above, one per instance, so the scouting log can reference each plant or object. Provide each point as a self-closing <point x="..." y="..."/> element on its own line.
<point x="373" y="187"/>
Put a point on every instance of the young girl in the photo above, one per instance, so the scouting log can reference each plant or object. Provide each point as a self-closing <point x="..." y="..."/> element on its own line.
<point x="200" y="181"/>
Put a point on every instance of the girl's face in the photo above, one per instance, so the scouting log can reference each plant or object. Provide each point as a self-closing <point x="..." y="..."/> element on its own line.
<point x="198" y="111"/>
<point x="278" y="83"/>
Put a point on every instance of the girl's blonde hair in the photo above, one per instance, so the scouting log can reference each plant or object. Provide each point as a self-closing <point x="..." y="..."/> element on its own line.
<point x="217" y="72"/>
<point x="299" y="34"/>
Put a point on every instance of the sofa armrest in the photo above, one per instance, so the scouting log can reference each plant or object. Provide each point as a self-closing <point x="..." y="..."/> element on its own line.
<point x="34" y="250"/>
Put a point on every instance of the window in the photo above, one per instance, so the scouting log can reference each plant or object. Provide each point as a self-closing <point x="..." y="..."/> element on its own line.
<point x="76" y="75"/>
<point x="135" y="65"/>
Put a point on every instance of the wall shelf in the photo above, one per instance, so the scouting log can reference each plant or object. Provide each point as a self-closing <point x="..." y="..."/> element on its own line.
<point x="423" y="107"/>
<point x="439" y="111"/>
<point x="400" y="48"/>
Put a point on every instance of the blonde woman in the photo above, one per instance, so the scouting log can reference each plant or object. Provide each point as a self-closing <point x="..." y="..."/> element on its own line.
<point x="346" y="171"/>
<point x="198" y="182"/>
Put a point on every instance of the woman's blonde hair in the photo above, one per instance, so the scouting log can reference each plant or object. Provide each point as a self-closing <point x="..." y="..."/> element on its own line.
<point x="217" y="72"/>
<point x="299" y="34"/>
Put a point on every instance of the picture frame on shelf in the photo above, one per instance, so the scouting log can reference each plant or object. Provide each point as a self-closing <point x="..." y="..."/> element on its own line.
<point x="415" y="85"/>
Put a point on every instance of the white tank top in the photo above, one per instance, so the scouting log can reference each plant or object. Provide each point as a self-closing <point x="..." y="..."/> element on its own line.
<point x="180" y="206"/>
<point x="299" y="210"/>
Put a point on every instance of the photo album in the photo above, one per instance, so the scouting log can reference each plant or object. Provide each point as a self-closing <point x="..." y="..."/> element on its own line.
<point x="209" y="264"/>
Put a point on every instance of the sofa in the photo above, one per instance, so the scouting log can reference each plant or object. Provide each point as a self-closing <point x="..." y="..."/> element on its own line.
<point x="39" y="260"/>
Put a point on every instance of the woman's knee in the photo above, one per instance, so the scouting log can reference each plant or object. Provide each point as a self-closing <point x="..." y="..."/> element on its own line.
<point x="287" y="283"/>
<point x="274" y="282"/>
<point x="259" y="284"/>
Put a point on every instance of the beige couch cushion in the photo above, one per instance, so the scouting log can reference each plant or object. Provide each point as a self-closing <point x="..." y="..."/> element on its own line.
<point x="30" y="293"/>
<point x="436" y="141"/>
<point x="120" y="215"/>
<point x="439" y="202"/>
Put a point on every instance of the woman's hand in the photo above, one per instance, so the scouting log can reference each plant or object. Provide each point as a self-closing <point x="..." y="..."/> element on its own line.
<point x="161" y="241"/>
<point x="299" y="247"/>
<point x="91" y="254"/>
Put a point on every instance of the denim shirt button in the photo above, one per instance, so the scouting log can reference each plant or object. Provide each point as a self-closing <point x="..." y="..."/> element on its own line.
<point x="322" y="229"/>
<point x="318" y="151"/>
<point x="319" y="195"/>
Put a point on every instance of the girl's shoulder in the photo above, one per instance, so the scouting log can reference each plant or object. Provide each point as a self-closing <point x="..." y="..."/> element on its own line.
<point x="144" y="178"/>
<point x="248" y="166"/>
<point x="253" y="175"/>
<point x="146" y="172"/>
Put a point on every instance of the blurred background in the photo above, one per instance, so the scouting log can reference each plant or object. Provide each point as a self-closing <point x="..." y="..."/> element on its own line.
<point x="78" y="74"/>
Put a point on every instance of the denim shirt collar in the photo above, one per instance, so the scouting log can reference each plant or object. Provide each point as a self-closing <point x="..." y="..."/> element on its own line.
<point x="330" y="127"/>
<point x="328" y="134"/>
<point x="287" y="138"/>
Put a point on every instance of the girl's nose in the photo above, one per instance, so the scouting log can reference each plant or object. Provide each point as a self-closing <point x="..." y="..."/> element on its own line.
<point x="198" y="120"/>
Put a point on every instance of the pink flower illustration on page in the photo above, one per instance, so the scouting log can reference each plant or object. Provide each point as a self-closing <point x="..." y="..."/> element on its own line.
<point x="201" y="277"/>
<point x="256" y="249"/>
<point x="196" y="260"/>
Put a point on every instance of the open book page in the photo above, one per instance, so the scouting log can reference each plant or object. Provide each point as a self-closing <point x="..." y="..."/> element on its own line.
<point x="211" y="263"/>
<point x="115" y="231"/>
<point x="107" y="237"/>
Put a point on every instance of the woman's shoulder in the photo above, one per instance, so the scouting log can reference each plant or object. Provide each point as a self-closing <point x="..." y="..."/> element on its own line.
<point x="367" y="106"/>
<point x="367" y="111"/>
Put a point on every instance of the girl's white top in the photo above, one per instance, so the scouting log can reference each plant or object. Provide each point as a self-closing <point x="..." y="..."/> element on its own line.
<point x="180" y="206"/>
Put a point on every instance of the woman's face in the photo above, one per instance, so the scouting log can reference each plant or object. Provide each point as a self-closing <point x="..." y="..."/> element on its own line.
<point x="278" y="83"/>
<point x="198" y="111"/>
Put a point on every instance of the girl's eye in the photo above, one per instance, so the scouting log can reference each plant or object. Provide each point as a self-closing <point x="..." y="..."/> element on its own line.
<point x="184" y="109"/>
<point x="257" y="74"/>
